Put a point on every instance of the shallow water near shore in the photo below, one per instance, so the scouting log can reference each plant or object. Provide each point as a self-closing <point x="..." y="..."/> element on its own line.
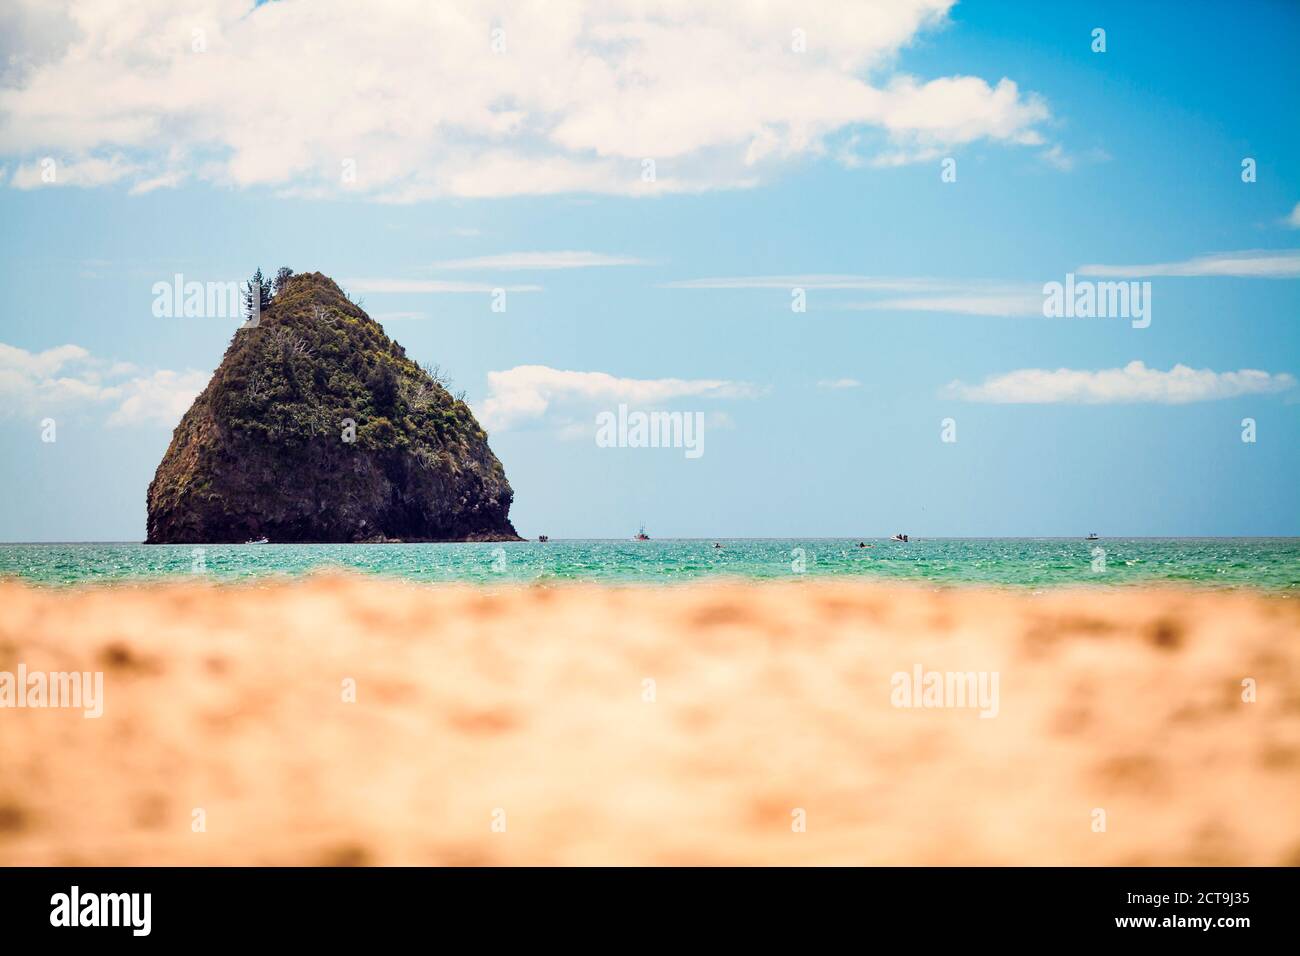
<point x="1265" y="563"/>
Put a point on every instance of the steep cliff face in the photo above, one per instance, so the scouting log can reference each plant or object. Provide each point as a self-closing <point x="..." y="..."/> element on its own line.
<point x="317" y="428"/>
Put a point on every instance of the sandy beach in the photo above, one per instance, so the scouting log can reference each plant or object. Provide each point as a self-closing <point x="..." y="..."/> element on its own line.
<point x="699" y="724"/>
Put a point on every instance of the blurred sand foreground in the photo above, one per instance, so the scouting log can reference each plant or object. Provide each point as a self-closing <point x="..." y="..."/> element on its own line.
<point x="529" y="708"/>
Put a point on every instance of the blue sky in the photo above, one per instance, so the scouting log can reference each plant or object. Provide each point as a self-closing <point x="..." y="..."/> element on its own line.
<point x="923" y="296"/>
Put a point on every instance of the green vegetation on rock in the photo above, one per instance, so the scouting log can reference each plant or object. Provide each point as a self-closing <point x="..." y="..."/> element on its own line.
<point x="318" y="427"/>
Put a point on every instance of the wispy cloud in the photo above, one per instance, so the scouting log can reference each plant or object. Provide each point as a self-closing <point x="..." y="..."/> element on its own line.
<point x="993" y="297"/>
<point x="1293" y="220"/>
<point x="519" y="261"/>
<point x="168" y="180"/>
<point x="909" y="293"/>
<point x="1130" y="384"/>
<point x="1007" y="302"/>
<point x="68" y="378"/>
<point x="429" y="285"/>
<point x="839" y="383"/>
<point x="1057" y="157"/>
<point x="1248" y="264"/>
<point x="530" y="392"/>
<point x="806" y="281"/>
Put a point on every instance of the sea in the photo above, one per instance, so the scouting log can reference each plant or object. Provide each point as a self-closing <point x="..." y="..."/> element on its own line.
<point x="1271" y="564"/>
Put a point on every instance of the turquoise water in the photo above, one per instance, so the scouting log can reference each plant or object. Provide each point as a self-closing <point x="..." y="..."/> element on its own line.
<point x="1268" y="563"/>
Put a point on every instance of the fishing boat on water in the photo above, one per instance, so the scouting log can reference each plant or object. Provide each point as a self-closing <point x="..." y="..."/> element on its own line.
<point x="641" y="535"/>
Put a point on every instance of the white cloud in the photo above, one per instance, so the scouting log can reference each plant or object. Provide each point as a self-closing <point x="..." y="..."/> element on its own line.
<point x="1132" y="383"/>
<point x="1249" y="264"/>
<point x="18" y="361"/>
<point x="168" y="180"/>
<point x="576" y="431"/>
<point x="429" y="285"/>
<point x="530" y="392"/>
<point x="1009" y="303"/>
<point x="993" y="297"/>
<point x="581" y="92"/>
<point x="839" y="383"/>
<point x="1293" y="220"/>
<point x="874" y="283"/>
<point x="1056" y="156"/>
<point x="960" y="109"/>
<point x="48" y="171"/>
<point x="539" y="260"/>
<point x="920" y="294"/>
<point x="159" y="399"/>
<point x="68" y="378"/>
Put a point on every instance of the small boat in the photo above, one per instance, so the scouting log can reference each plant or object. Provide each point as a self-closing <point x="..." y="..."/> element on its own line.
<point x="543" y="538"/>
<point x="1091" y="537"/>
<point x="641" y="535"/>
<point x="261" y="540"/>
<point x="900" y="537"/>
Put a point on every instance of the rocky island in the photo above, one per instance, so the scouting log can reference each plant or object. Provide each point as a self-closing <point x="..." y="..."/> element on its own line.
<point x="317" y="427"/>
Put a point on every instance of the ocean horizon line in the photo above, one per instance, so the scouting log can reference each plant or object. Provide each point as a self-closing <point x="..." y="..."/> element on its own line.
<point x="553" y="539"/>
